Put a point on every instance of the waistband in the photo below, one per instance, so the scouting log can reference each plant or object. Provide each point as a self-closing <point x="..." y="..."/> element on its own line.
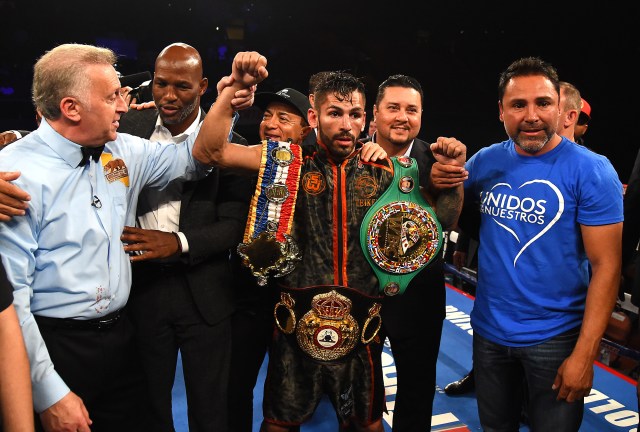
<point x="160" y="267"/>
<point x="103" y="323"/>
<point x="328" y="322"/>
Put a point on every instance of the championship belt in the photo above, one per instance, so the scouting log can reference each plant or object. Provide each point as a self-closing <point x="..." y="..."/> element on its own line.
<point x="400" y="233"/>
<point x="267" y="246"/>
<point x="333" y="320"/>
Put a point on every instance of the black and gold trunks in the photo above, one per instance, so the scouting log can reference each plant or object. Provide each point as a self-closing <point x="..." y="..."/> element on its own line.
<point x="328" y="322"/>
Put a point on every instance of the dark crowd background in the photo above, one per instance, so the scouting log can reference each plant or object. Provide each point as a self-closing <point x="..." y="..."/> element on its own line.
<point x="456" y="49"/>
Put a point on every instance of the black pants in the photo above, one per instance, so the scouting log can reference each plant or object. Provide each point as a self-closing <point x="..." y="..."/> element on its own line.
<point x="415" y="356"/>
<point x="413" y="323"/>
<point x="252" y="332"/>
<point x="167" y="321"/>
<point x="101" y="366"/>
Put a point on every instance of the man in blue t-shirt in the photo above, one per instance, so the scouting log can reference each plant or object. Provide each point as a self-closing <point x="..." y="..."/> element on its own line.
<point x="548" y="208"/>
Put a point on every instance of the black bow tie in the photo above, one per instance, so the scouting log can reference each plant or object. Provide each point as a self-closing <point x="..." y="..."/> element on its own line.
<point x="90" y="152"/>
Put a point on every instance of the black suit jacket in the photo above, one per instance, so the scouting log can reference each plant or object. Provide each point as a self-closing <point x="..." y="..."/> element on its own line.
<point x="425" y="297"/>
<point x="631" y="226"/>
<point x="631" y="229"/>
<point x="212" y="217"/>
<point x="311" y="139"/>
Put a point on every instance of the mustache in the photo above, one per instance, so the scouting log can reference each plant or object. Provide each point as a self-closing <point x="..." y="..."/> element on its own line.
<point x="345" y="135"/>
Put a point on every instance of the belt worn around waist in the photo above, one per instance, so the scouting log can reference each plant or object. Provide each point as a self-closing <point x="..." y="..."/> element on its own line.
<point x="328" y="322"/>
<point x="103" y="323"/>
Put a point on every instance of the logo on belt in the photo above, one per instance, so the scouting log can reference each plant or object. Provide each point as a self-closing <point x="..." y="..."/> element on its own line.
<point x="400" y="233"/>
<point x="328" y="331"/>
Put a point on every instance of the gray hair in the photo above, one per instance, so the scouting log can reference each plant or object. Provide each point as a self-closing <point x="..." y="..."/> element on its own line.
<point x="572" y="99"/>
<point x="61" y="72"/>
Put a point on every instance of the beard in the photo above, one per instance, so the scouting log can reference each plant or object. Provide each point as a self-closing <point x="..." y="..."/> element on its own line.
<point x="181" y="115"/>
<point x="533" y="145"/>
<point x="337" y="152"/>
<point x="399" y="144"/>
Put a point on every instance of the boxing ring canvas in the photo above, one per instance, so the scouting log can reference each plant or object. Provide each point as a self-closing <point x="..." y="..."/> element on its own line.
<point x="611" y="406"/>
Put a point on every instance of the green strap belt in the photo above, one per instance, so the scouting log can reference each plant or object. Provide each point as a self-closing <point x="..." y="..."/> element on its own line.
<point x="400" y="234"/>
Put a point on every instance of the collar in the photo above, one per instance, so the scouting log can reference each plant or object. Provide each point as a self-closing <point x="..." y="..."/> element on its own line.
<point x="65" y="148"/>
<point x="406" y="153"/>
<point x="162" y="129"/>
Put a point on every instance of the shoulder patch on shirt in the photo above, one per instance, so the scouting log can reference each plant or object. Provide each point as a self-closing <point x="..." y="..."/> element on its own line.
<point x="314" y="182"/>
<point x="115" y="169"/>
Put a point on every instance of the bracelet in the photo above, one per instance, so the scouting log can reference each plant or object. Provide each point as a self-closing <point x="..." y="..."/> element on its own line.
<point x="179" y="242"/>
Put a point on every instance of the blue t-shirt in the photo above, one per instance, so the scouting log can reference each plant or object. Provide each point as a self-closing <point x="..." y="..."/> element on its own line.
<point x="533" y="271"/>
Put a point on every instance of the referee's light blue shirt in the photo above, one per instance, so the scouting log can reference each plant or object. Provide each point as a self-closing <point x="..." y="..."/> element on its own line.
<point x="65" y="258"/>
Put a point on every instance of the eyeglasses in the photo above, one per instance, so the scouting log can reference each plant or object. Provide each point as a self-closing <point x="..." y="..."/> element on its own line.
<point x="583" y="119"/>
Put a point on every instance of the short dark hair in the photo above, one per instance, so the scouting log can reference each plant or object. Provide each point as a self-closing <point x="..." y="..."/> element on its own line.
<point x="399" y="80"/>
<point x="315" y="79"/>
<point x="340" y="84"/>
<point x="528" y="66"/>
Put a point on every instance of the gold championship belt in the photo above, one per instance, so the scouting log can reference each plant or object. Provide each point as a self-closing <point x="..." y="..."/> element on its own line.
<point x="329" y="330"/>
<point x="267" y="246"/>
<point x="400" y="233"/>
